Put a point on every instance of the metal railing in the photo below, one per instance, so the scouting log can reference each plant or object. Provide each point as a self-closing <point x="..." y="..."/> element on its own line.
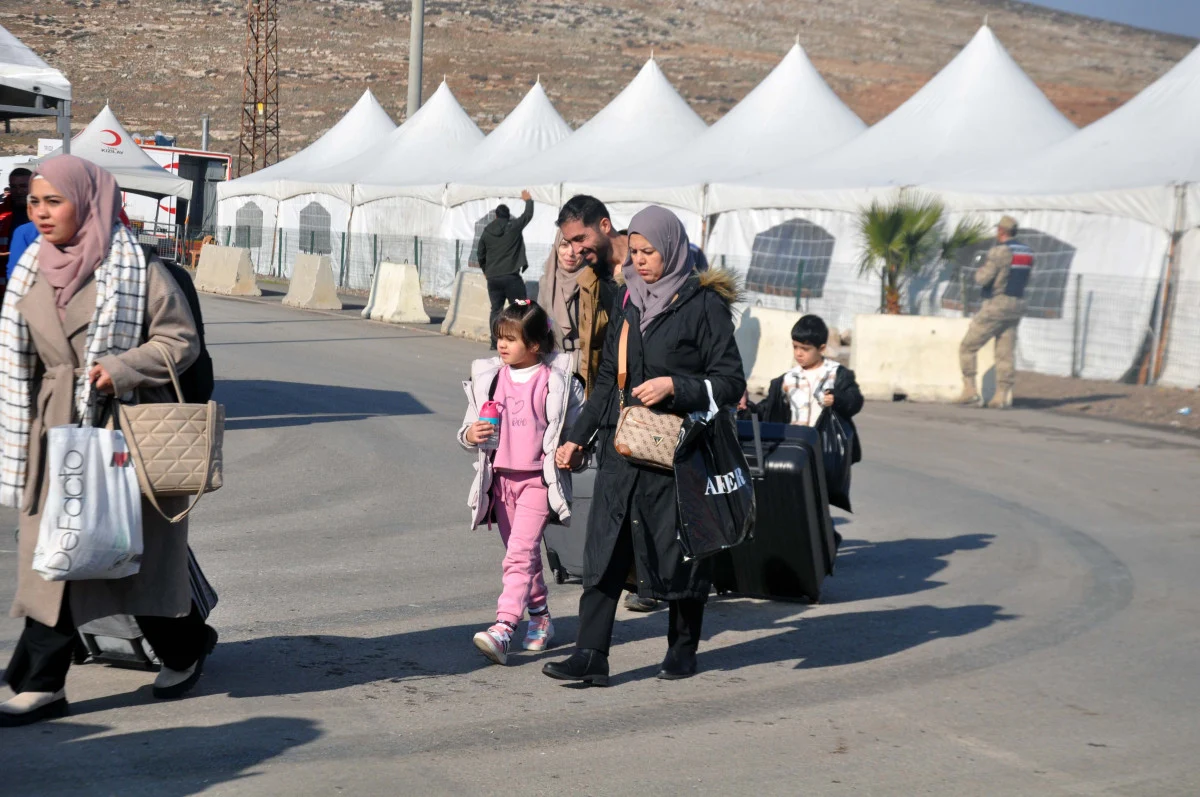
<point x="1080" y="325"/>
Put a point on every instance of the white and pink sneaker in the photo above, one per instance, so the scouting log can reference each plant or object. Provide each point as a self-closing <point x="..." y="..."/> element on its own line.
<point x="494" y="642"/>
<point x="539" y="633"/>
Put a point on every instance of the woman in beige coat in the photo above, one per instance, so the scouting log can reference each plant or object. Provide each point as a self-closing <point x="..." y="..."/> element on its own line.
<point x="79" y="315"/>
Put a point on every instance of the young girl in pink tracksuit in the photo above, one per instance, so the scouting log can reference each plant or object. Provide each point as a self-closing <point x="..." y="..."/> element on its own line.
<point x="516" y="482"/>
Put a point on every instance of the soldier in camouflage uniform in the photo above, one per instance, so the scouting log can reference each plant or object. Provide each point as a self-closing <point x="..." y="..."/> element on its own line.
<point x="1003" y="277"/>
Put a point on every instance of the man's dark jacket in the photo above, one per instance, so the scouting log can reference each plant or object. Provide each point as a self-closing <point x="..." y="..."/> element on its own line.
<point x="502" y="245"/>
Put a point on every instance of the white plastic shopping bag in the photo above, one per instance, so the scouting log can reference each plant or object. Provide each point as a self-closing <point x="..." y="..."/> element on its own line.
<point x="92" y="520"/>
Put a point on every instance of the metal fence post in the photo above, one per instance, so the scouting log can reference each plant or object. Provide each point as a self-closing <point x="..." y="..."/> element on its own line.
<point x="962" y="291"/>
<point x="1076" y="343"/>
<point x="374" y="253"/>
<point x="342" y="275"/>
<point x="279" y="259"/>
<point x="457" y="255"/>
<point x="799" y="284"/>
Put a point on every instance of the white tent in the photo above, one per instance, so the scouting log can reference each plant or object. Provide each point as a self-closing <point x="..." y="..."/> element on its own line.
<point x="315" y="211"/>
<point x="29" y="87"/>
<point x="980" y="111"/>
<point x="794" y="231"/>
<point x="648" y="119"/>
<point x="792" y="114"/>
<point x="392" y="215"/>
<point x="361" y="128"/>
<point x="106" y="143"/>
<point x="1116" y="192"/>
<point x="248" y="206"/>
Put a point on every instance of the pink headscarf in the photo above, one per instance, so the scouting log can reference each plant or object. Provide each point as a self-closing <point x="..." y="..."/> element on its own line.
<point x="97" y="201"/>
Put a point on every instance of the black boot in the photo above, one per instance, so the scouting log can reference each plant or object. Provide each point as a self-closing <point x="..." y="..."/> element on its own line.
<point x="587" y="666"/>
<point x="679" y="663"/>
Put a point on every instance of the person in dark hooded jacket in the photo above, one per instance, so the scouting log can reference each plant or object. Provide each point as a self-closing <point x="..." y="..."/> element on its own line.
<point x="680" y="347"/>
<point x="501" y="255"/>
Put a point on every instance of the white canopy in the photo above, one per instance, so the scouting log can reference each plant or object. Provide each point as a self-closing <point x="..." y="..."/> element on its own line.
<point x="21" y="69"/>
<point x="980" y="112"/>
<point x="648" y="119"/>
<point x="1124" y="163"/>
<point x="362" y="127"/>
<point x="106" y="143"/>
<point x="532" y="127"/>
<point x="792" y="114"/>
<point x="423" y="149"/>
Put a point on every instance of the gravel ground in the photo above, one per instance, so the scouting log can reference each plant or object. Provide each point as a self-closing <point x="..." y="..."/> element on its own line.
<point x="1153" y="406"/>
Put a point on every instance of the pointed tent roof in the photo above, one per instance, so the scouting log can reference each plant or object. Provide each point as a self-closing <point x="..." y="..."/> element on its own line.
<point x="647" y="119"/>
<point x="533" y="126"/>
<point x="429" y="144"/>
<point x="980" y="111"/>
<point x="106" y="143"/>
<point x="792" y="111"/>
<point x="1148" y="143"/>
<point x="362" y="127"/>
<point x="22" y="69"/>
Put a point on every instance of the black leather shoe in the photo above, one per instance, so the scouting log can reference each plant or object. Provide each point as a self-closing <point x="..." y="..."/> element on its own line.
<point x="586" y="666"/>
<point x="677" y="666"/>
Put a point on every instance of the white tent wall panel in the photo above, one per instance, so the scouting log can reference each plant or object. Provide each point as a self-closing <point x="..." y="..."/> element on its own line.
<point x="843" y="294"/>
<point x="297" y="234"/>
<point x="236" y="232"/>
<point x="1182" y="357"/>
<point x="392" y="230"/>
<point x="623" y="212"/>
<point x="1117" y="264"/>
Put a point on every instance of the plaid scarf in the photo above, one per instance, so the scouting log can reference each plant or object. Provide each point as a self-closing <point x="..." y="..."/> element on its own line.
<point x="116" y="328"/>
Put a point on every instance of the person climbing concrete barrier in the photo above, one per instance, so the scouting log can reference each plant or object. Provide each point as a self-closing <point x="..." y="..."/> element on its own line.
<point x="915" y="357"/>
<point x="396" y="295"/>
<point x="313" y="286"/>
<point x="226" y="270"/>
<point x="470" y="310"/>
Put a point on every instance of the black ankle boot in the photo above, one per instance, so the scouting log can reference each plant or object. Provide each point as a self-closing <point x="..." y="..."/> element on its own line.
<point x="678" y="664"/>
<point x="587" y="666"/>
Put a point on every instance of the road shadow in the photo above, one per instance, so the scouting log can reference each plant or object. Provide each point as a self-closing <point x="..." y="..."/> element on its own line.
<point x="1027" y="403"/>
<point x="834" y="640"/>
<point x="265" y="404"/>
<point x="867" y="569"/>
<point x="70" y="758"/>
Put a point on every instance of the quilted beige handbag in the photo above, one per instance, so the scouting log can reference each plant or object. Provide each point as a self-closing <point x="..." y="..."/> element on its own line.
<point x="176" y="448"/>
<point x="643" y="436"/>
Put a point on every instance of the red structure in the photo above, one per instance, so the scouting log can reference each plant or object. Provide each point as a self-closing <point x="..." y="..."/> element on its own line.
<point x="258" y="144"/>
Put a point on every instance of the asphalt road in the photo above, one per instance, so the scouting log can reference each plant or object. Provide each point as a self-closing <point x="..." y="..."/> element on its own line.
<point x="1016" y="611"/>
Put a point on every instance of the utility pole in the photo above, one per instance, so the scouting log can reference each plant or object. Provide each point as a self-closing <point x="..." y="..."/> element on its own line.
<point x="416" y="56"/>
<point x="258" y="145"/>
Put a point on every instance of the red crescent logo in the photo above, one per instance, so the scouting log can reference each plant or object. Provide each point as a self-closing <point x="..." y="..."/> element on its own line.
<point x="116" y="142"/>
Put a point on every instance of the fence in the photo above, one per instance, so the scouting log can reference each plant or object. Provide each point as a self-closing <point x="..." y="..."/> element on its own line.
<point x="1084" y="325"/>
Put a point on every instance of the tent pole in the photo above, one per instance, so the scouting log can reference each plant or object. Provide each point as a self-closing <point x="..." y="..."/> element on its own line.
<point x="1166" y="292"/>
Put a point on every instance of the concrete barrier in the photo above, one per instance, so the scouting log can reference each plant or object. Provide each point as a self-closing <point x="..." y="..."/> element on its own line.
<point x="764" y="338"/>
<point x="915" y="357"/>
<point x="470" y="310"/>
<point x="396" y="295"/>
<point x="226" y="270"/>
<point x="313" y="286"/>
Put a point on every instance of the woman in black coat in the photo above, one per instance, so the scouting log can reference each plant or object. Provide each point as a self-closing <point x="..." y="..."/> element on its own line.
<point x="680" y="346"/>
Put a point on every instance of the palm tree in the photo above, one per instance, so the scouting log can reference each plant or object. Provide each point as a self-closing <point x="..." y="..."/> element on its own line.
<point x="901" y="238"/>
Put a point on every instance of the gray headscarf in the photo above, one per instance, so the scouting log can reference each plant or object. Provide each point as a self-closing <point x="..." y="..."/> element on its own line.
<point x="666" y="233"/>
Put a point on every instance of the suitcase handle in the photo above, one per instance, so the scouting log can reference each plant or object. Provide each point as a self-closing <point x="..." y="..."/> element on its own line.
<point x="758" y="470"/>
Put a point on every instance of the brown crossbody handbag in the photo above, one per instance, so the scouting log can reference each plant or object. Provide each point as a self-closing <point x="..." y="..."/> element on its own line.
<point x="643" y="436"/>
<point x="176" y="448"/>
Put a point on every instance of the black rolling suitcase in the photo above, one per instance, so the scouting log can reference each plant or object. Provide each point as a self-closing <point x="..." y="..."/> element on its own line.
<point x="564" y="545"/>
<point x="793" y="547"/>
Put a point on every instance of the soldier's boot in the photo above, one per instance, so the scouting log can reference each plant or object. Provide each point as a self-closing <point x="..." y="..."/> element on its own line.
<point x="969" y="394"/>
<point x="1002" y="400"/>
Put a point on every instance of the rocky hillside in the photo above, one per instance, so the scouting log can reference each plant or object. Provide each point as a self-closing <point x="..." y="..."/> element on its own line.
<point x="163" y="63"/>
